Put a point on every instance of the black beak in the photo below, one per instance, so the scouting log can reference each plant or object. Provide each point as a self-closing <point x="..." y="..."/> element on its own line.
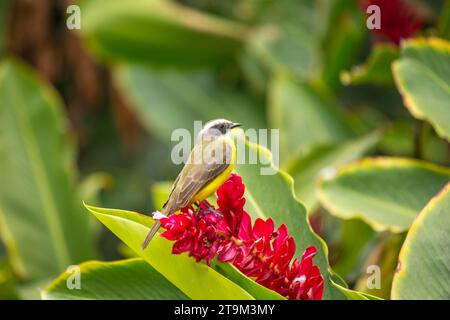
<point x="235" y="125"/>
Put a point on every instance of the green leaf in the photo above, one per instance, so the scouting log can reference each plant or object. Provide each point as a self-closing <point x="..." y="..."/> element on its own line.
<point x="344" y="45"/>
<point x="307" y="168"/>
<point x="422" y="75"/>
<point x="31" y="290"/>
<point x="384" y="256"/>
<point x="304" y="117"/>
<point x="182" y="98"/>
<point x="41" y="218"/>
<point x="286" y="47"/>
<point x="156" y="32"/>
<point x="377" y="68"/>
<point x="272" y="196"/>
<point x="355" y="295"/>
<point x="387" y="193"/>
<point x="434" y="148"/>
<point x="197" y="280"/>
<point x="291" y="38"/>
<point x="91" y="186"/>
<point x="353" y="239"/>
<point x="160" y="193"/>
<point x="4" y="9"/>
<point x="8" y="281"/>
<point x="444" y="21"/>
<point x="131" y="279"/>
<point x="423" y="272"/>
<point x="255" y="289"/>
<point x="398" y="140"/>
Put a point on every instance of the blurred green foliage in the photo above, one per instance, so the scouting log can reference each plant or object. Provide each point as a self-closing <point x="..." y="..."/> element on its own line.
<point x="307" y="67"/>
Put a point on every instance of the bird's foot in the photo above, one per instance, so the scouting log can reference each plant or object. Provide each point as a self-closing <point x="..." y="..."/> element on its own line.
<point x="205" y="207"/>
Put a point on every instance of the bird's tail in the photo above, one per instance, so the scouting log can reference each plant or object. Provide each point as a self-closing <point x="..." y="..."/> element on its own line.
<point x="151" y="234"/>
<point x="166" y="211"/>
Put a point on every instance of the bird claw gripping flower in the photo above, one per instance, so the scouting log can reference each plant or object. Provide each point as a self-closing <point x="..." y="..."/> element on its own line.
<point x="258" y="251"/>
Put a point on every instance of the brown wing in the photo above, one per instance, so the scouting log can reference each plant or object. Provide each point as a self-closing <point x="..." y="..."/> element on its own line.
<point x="195" y="175"/>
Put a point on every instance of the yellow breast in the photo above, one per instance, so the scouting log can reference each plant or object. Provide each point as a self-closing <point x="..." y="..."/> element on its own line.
<point x="211" y="187"/>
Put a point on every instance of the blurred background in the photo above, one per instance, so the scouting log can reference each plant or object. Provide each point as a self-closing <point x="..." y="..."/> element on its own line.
<point x="87" y="114"/>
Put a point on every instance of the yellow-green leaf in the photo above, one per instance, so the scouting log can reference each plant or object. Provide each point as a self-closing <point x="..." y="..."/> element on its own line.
<point x="377" y="68"/>
<point x="423" y="270"/>
<point x="196" y="280"/>
<point x="387" y="193"/>
<point x="131" y="279"/>
<point x="422" y="75"/>
<point x="307" y="168"/>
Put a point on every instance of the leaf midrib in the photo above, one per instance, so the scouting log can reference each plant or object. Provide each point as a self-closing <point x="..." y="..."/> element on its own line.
<point x="41" y="180"/>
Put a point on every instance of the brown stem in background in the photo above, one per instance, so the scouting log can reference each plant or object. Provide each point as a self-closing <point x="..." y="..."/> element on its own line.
<point x="420" y="136"/>
<point x="37" y="33"/>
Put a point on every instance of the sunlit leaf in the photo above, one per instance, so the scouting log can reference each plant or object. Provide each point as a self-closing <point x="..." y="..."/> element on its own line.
<point x="355" y="295"/>
<point x="256" y="290"/>
<point x="132" y="279"/>
<point x="195" y="280"/>
<point x="423" y="272"/>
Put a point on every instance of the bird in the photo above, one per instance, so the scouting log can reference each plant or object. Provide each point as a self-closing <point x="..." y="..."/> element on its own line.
<point x="209" y="165"/>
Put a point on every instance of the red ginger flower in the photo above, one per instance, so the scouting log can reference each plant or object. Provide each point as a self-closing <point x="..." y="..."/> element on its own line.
<point x="193" y="233"/>
<point x="257" y="251"/>
<point x="398" y="19"/>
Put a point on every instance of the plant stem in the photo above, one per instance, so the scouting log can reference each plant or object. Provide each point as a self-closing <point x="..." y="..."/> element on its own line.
<point x="420" y="136"/>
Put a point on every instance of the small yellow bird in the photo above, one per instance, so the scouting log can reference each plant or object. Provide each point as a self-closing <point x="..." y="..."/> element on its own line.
<point x="209" y="164"/>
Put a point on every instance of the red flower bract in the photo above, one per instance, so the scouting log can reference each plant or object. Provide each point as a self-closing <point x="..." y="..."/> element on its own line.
<point x="398" y="19"/>
<point x="193" y="233"/>
<point x="258" y="251"/>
